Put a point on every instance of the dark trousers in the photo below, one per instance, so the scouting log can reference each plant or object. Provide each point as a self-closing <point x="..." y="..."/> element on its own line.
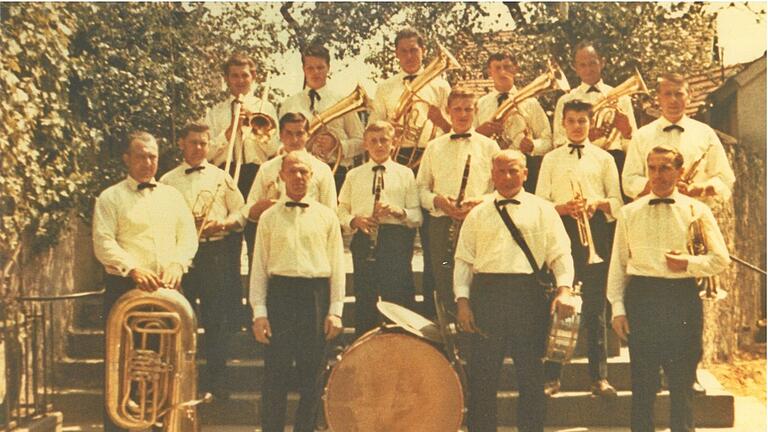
<point x="297" y="308"/>
<point x="533" y="163"/>
<point x="618" y="157"/>
<point x="214" y="279"/>
<point x="339" y="176"/>
<point x="390" y="276"/>
<point x="427" y="276"/>
<point x="665" y="321"/>
<point x="439" y="244"/>
<point x="115" y="286"/>
<point x="512" y="311"/>
<point x="248" y="173"/>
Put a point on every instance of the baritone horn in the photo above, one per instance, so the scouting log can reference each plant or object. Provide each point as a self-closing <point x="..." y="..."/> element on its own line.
<point x="585" y="231"/>
<point x="698" y="244"/>
<point x="356" y="101"/>
<point x="151" y="377"/>
<point x="604" y="111"/>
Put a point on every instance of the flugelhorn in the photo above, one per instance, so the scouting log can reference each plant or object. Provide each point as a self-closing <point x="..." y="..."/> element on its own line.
<point x="356" y="101"/>
<point x="585" y="231"/>
<point x="151" y="376"/>
<point x="604" y="111"/>
<point x="698" y="244"/>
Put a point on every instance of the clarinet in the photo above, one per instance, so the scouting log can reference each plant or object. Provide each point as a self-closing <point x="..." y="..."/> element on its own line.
<point x="453" y="230"/>
<point x="378" y="180"/>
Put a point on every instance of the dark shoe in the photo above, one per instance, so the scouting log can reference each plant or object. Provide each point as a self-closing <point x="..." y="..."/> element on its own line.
<point x="698" y="389"/>
<point x="603" y="388"/>
<point x="551" y="387"/>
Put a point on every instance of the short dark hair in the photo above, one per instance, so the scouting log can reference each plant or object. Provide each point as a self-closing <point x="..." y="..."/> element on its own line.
<point x="407" y="33"/>
<point x="293" y="117"/>
<point x="137" y="135"/>
<point x="578" y="106"/>
<point x="239" y="59"/>
<point x="460" y="93"/>
<point x="500" y="56"/>
<point x="677" y="157"/>
<point x="193" y="126"/>
<point x="380" y="126"/>
<point x="672" y="77"/>
<point x="585" y="44"/>
<point x="316" y="50"/>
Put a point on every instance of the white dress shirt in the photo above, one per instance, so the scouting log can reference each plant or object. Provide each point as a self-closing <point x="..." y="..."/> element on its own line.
<point x="696" y="140"/>
<point x="595" y="171"/>
<point x="442" y="168"/>
<point x="348" y="129"/>
<point x="356" y="195"/>
<point x="298" y="242"/>
<point x="388" y="95"/>
<point x="268" y="185"/>
<point x="645" y="233"/>
<point x="210" y="186"/>
<point x="515" y="126"/>
<point x="148" y="229"/>
<point x="486" y="246"/>
<point x="582" y="93"/>
<point x="219" y="118"/>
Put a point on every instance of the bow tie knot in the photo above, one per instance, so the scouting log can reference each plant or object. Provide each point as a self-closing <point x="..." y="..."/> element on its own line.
<point x="378" y="168"/>
<point x="293" y="204"/>
<point x="578" y="148"/>
<point x="194" y="169"/>
<point x="672" y="127"/>
<point x="593" y="89"/>
<point x="500" y="203"/>
<point x="313" y="96"/>
<point x="502" y="97"/>
<point x="410" y="78"/>
<point x="460" y="135"/>
<point x="656" y="201"/>
<point x="145" y="185"/>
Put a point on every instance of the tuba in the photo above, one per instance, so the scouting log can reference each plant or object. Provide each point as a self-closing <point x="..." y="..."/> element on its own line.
<point x="151" y="375"/>
<point x="698" y="245"/>
<point x="552" y="80"/>
<point x="358" y="100"/>
<point x="407" y="121"/>
<point x="585" y="231"/>
<point x="604" y="111"/>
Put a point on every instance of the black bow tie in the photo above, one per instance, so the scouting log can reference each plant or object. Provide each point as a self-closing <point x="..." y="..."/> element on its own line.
<point x="500" y="203"/>
<point x="655" y="201"/>
<point x="379" y="168"/>
<point x="672" y="127"/>
<point x="193" y="169"/>
<point x="593" y="89"/>
<point x="145" y="185"/>
<point x="291" y="204"/>
<point x="409" y="78"/>
<point x="313" y="96"/>
<point x="576" y="148"/>
<point x="376" y="170"/>
<point x="502" y="97"/>
<point x="460" y="135"/>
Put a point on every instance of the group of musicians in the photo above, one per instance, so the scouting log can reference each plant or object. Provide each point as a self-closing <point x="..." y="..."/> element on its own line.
<point x="446" y="165"/>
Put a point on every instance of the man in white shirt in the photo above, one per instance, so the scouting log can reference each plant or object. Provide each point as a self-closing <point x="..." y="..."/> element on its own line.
<point x="712" y="176"/>
<point x="315" y="99"/>
<point x="143" y="231"/>
<point x="527" y="129"/>
<point x="379" y="202"/>
<point x="214" y="277"/>
<point x="250" y="149"/>
<point x="582" y="181"/>
<point x="499" y="298"/>
<point x="297" y="293"/>
<point x="441" y="181"/>
<point x="651" y="287"/>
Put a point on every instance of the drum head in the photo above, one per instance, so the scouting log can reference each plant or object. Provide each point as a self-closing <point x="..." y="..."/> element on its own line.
<point x="393" y="382"/>
<point x="411" y="321"/>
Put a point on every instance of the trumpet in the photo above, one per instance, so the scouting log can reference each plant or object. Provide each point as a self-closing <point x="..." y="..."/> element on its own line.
<point x="691" y="171"/>
<point x="453" y="230"/>
<point x="585" y="231"/>
<point x="406" y="119"/>
<point x="356" y="101"/>
<point x="698" y="245"/>
<point x="378" y="185"/>
<point x="604" y="111"/>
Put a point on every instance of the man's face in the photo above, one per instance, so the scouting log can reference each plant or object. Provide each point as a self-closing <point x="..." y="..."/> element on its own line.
<point x="502" y="73"/>
<point x="662" y="173"/>
<point x="508" y="175"/>
<point x="378" y="145"/>
<point x="315" y="71"/>
<point x="141" y="160"/>
<point x="239" y="79"/>
<point x="588" y="65"/>
<point x="462" y="112"/>
<point x="296" y="175"/>
<point x="194" y="147"/>
<point x="293" y="136"/>
<point x="409" y="54"/>
<point x="673" y="99"/>
<point x="576" y="124"/>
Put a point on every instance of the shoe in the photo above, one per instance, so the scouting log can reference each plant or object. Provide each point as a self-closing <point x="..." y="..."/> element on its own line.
<point x="551" y="387"/>
<point x="698" y="389"/>
<point x="603" y="388"/>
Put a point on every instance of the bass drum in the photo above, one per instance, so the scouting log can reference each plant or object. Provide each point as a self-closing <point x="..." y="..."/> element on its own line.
<point x="389" y="380"/>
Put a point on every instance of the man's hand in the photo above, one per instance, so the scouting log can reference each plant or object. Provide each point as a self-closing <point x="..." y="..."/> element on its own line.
<point x="383" y="210"/>
<point x="595" y="133"/>
<point x="491" y="128"/>
<point x="436" y="117"/>
<point x="213" y="227"/>
<point x="621" y="326"/>
<point x="572" y="208"/>
<point x="260" y="207"/>
<point x="145" y="280"/>
<point x="464" y="316"/>
<point x="675" y="263"/>
<point x="564" y="302"/>
<point x="333" y="327"/>
<point x="364" y="223"/>
<point x="695" y="189"/>
<point x="526" y="145"/>
<point x="261" y="330"/>
<point x="621" y="123"/>
<point x="171" y="276"/>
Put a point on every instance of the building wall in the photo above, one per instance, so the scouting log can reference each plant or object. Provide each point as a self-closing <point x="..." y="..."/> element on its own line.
<point x="750" y="101"/>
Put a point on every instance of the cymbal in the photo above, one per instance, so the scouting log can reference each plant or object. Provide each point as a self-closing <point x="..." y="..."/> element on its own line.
<point x="410" y="321"/>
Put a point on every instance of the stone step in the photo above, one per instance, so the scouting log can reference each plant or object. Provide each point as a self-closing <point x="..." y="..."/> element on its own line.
<point x="565" y="409"/>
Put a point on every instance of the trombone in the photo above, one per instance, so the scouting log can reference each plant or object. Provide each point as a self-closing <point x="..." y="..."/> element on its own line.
<point x="585" y="231"/>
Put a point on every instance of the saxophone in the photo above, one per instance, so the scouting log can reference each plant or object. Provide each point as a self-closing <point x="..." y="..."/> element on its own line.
<point x="453" y="230"/>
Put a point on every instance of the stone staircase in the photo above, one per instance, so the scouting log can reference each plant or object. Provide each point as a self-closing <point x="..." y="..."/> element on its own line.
<point x="79" y="378"/>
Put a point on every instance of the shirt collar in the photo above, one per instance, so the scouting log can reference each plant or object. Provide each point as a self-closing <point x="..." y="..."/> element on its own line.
<point x="664" y="122"/>
<point x="404" y="74"/>
<point x="511" y="91"/>
<point x="185" y="165"/>
<point x="321" y="91"/>
<point x="133" y="184"/>
<point x="520" y="195"/>
<point x="675" y="195"/>
<point x="470" y="131"/>
<point x="584" y="87"/>
<point x="371" y="163"/>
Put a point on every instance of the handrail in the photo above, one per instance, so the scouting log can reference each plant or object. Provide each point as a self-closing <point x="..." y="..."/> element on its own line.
<point x="748" y="265"/>
<point x="62" y="297"/>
